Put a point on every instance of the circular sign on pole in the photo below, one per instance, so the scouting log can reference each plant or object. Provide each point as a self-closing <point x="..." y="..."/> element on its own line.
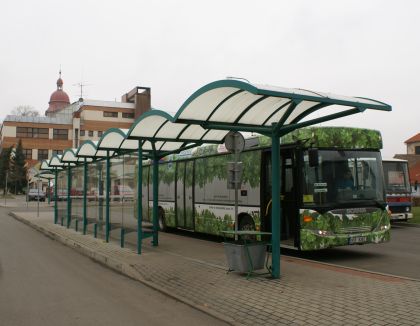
<point x="234" y="142"/>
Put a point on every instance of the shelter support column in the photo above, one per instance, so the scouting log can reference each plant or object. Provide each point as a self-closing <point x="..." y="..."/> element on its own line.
<point x="55" y="197"/>
<point x="139" y="198"/>
<point x="276" y="207"/>
<point x="68" y="196"/>
<point x="107" y="195"/>
<point x="155" y="240"/>
<point x="85" y="182"/>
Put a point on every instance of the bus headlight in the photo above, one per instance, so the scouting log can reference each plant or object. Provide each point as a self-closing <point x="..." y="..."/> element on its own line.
<point x="384" y="227"/>
<point x="323" y="233"/>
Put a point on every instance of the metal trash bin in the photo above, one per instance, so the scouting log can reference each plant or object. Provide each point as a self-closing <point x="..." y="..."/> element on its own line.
<point x="238" y="257"/>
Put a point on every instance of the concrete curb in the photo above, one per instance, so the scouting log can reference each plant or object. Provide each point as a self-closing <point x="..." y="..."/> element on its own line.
<point x="123" y="268"/>
<point x="412" y="225"/>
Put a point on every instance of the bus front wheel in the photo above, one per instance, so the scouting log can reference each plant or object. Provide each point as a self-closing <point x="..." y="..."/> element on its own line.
<point x="161" y="218"/>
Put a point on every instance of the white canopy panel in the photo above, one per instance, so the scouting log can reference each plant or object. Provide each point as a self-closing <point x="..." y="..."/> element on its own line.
<point x="234" y="102"/>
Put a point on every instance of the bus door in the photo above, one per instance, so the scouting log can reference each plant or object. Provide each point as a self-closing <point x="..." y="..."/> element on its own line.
<point x="184" y="195"/>
<point x="146" y="187"/>
<point x="288" y="191"/>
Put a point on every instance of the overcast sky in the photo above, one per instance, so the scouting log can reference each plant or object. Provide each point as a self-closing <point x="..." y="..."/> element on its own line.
<point x="358" y="48"/>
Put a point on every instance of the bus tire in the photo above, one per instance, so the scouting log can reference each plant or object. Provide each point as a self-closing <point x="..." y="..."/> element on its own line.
<point x="246" y="223"/>
<point x="161" y="219"/>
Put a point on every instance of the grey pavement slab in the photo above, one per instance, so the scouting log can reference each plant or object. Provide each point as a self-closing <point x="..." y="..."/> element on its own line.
<point x="194" y="271"/>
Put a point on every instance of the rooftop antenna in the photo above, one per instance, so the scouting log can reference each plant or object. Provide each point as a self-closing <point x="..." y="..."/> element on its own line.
<point x="81" y="85"/>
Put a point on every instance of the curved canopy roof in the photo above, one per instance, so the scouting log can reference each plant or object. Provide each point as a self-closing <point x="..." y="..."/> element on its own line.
<point x="244" y="106"/>
<point x="215" y="109"/>
<point x="69" y="156"/>
<point x="159" y="132"/>
<point x="46" y="175"/>
<point x="115" y="139"/>
<point x="45" y="165"/>
<point x="90" y="149"/>
<point x="55" y="161"/>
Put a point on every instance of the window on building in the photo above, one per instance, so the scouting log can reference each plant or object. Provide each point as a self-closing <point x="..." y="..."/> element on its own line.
<point x="27" y="132"/>
<point x="57" y="152"/>
<point x="90" y="133"/>
<point x="128" y="115"/>
<point x="100" y="133"/>
<point x="108" y="114"/>
<point x="82" y="132"/>
<point x="42" y="154"/>
<point x="417" y="150"/>
<point x="28" y="154"/>
<point x="61" y="134"/>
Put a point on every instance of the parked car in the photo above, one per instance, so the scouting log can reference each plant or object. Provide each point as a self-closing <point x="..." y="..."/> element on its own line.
<point x="61" y="194"/>
<point x="125" y="193"/>
<point x="34" y="194"/>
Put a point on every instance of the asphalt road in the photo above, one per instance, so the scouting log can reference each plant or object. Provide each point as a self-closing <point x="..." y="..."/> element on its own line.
<point x="43" y="282"/>
<point x="400" y="256"/>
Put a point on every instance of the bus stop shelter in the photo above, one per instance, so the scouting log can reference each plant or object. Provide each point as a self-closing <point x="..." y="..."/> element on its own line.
<point x="206" y="117"/>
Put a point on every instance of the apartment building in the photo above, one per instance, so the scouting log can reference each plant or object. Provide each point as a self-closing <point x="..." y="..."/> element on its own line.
<point x="68" y="124"/>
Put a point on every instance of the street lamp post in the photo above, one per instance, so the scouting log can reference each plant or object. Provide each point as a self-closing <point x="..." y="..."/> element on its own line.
<point x="5" y="189"/>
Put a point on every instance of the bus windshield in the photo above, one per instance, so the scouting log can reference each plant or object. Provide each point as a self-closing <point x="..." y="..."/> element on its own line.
<point x="396" y="177"/>
<point x="343" y="177"/>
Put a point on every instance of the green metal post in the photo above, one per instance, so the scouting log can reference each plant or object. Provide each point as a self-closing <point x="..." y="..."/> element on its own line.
<point x="155" y="240"/>
<point x="101" y="194"/>
<point x="85" y="182"/>
<point x="122" y="237"/>
<point x="49" y="191"/>
<point x="276" y="210"/>
<point x="68" y="196"/>
<point x="56" y="197"/>
<point x="139" y="198"/>
<point x="107" y="197"/>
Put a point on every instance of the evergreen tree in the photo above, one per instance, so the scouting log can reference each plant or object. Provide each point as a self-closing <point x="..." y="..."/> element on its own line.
<point x="17" y="170"/>
<point x="4" y="165"/>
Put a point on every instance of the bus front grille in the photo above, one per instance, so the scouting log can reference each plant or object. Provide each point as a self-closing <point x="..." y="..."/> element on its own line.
<point x="355" y="229"/>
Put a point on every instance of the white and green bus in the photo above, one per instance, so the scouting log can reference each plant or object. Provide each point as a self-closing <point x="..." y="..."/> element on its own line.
<point x="332" y="189"/>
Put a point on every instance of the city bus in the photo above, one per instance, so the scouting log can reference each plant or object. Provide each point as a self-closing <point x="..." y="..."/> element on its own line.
<point x="332" y="189"/>
<point x="398" y="189"/>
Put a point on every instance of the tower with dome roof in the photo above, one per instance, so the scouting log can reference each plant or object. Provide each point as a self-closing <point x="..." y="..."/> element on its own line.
<point x="59" y="99"/>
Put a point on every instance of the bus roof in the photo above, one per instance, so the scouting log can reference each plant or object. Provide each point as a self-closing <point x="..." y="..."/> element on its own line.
<point x="319" y="137"/>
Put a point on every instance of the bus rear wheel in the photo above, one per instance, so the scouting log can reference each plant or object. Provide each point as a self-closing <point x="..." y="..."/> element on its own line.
<point x="161" y="219"/>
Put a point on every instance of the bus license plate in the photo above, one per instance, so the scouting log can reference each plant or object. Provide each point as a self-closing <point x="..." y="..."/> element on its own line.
<point x="360" y="239"/>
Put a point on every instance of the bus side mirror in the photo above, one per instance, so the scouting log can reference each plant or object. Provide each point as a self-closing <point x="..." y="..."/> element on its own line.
<point x="416" y="184"/>
<point x="313" y="157"/>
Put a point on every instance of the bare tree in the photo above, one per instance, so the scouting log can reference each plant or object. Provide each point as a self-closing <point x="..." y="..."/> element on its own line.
<point x="25" y="111"/>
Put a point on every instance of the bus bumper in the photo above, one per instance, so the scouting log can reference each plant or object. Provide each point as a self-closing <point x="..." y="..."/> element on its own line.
<point x="312" y="240"/>
<point x="401" y="216"/>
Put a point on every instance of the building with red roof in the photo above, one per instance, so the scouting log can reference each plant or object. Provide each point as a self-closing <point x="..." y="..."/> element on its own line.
<point x="66" y="125"/>
<point x="413" y="158"/>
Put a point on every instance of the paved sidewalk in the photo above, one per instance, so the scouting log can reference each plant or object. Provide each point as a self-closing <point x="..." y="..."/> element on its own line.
<point x="308" y="293"/>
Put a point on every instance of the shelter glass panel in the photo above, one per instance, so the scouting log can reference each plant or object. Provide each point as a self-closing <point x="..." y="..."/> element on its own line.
<point x="122" y="204"/>
<point x="167" y="192"/>
<point x="76" y="195"/>
<point x="96" y="198"/>
<point x="62" y="197"/>
<point x="92" y="196"/>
